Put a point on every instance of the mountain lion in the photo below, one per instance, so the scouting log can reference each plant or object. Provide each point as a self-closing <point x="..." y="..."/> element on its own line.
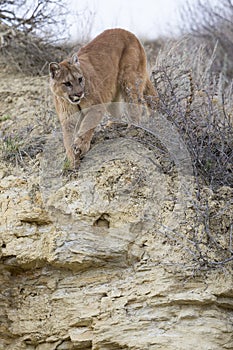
<point x="111" y="67"/>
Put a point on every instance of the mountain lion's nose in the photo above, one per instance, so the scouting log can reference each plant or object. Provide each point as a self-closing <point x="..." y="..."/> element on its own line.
<point x="79" y="94"/>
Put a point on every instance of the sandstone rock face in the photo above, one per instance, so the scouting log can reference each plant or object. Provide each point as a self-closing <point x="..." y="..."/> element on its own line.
<point x="106" y="258"/>
<point x="85" y="265"/>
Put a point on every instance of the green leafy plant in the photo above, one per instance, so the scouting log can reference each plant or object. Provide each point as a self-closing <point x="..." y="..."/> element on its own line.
<point x="5" y="117"/>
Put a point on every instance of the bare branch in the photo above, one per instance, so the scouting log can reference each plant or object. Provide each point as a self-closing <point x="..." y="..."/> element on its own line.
<point x="40" y="18"/>
<point x="212" y="23"/>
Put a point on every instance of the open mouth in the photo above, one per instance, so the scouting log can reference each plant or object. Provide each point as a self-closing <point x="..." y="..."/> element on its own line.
<point x="76" y="99"/>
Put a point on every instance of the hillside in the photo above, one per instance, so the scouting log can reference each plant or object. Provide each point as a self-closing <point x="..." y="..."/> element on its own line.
<point x="128" y="252"/>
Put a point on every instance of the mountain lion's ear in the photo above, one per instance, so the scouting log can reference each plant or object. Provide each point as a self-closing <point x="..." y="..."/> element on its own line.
<point x="54" y="68"/>
<point x="75" y="60"/>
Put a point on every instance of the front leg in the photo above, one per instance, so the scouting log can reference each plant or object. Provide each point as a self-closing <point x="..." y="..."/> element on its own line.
<point x="82" y="141"/>
<point x="68" y="127"/>
<point x="82" y="144"/>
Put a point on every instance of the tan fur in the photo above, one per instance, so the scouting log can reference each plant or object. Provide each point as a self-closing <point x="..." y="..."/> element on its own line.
<point x="110" y="67"/>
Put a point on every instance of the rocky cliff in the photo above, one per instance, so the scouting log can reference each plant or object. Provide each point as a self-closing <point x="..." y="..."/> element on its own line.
<point x="114" y="256"/>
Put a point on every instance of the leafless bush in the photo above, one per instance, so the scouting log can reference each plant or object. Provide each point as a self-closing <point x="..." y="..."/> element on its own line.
<point x="29" y="54"/>
<point x="198" y="102"/>
<point x="28" y="33"/>
<point x="44" y="18"/>
<point x="212" y="23"/>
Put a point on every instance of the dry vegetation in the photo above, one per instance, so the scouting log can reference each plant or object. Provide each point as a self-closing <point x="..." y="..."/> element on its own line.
<point x="31" y="34"/>
<point x="212" y="25"/>
<point x="193" y="76"/>
<point x="198" y="101"/>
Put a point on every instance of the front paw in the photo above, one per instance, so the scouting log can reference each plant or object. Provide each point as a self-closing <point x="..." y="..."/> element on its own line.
<point x="77" y="151"/>
<point x="81" y="146"/>
<point x="76" y="156"/>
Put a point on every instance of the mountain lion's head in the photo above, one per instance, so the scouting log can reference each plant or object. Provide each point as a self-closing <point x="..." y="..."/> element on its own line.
<point x="67" y="80"/>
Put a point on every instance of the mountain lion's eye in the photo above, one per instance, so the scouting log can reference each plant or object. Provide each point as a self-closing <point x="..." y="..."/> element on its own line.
<point x="68" y="84"/>
<point x="80" y="80"/>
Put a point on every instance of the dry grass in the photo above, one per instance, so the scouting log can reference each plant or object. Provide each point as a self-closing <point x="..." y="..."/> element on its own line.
<point x="27" y="53"/>
<point x="212" y="22"/>
<point x="198" y="101"/>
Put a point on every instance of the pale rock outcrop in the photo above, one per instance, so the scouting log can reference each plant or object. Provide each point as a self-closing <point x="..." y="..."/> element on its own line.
<point x="91" y="261"/>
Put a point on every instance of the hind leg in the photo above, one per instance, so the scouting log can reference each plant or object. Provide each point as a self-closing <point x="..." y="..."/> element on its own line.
<point x="132" y="91"/>
<point x="150" y="95"/>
